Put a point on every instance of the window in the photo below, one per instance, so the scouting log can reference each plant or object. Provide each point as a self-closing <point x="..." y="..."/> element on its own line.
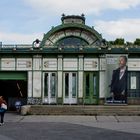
<point x="133" y="85"/>
<point x="73" y="84"/>
<point x="46" y="84"/>
<point x="72" y="41"/>
<point x="66" y="84"/>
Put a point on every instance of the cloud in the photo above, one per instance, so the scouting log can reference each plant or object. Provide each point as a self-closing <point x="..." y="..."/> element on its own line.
<point x="124" y="28"/>
<point x="16" y="38"/>
<point x="110" y="30"/>
<point x="58" y="7"/>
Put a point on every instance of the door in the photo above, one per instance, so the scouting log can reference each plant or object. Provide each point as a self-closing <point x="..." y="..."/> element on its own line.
<point x="50" y="88"/>
<point x="91" y="88"/>
<point x="70" y="88"/>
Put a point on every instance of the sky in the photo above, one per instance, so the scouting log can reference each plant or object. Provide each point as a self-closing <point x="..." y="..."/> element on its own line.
<point x="23" y="21"/>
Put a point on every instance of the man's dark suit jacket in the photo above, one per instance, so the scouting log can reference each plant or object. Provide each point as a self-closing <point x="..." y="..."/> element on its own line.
<point x="119" y="85"/>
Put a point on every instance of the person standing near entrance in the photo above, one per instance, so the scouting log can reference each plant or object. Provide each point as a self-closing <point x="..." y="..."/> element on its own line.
<point x="119" y="81"/>
<point x="18" y="105"/>
<point x="3" y="108"/>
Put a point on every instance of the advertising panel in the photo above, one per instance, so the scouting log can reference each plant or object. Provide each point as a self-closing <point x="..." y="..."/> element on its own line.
<point x="116" y="84"/>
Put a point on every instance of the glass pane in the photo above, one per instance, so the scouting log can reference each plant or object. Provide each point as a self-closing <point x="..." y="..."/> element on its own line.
<point x="53" y="85"/>
<point x="87" y="84"/>
<point x="66" y="84"/>
<point x="72" y="41"/>
<point x="94" y="85"/>
<point x="133" y="88"/>
<point x="46" y="85"/>
<point x="73" y="84"/>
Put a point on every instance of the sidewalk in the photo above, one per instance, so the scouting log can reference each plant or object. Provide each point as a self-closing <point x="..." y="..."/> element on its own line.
<point x="129" y="124"/>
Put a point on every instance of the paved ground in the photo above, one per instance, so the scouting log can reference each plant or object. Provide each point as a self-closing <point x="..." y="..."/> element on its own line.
<point x="70" y="127"/>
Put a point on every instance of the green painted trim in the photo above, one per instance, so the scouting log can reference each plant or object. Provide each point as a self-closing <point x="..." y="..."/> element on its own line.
<point x="91" y="99"/>
<point x="13" y="75"/>
<point x="54" y="50"/>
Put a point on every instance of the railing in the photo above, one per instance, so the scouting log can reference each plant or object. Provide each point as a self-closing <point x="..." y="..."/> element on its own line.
<point x="29" y="46"/>
<point x="16" y="46"/>
<point x="54" y="49"/>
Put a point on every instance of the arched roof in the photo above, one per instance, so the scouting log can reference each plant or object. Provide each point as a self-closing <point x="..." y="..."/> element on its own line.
<point x="71" y="29"/>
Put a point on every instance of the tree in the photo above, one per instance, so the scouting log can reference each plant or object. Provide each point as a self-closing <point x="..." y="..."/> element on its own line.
<point x="119" y="41"/>
<point x="137" y="41"/>
<point x="111" y="42"/>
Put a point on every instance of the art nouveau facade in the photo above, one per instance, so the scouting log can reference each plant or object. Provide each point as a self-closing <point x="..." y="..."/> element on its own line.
<point x="69" y="66"/>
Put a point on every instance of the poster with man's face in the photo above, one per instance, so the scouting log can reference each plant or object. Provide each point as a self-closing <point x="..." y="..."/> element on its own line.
<point x="116" y="74"/>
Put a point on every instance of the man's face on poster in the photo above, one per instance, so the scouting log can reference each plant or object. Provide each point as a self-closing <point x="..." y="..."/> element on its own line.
<point x="122" y="62"/>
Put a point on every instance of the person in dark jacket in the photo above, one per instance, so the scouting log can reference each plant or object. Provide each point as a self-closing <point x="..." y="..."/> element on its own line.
<point x="2" y="111"/>
<point x="119" y="81"/>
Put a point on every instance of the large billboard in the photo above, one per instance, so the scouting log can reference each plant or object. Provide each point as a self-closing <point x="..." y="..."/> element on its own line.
<point x="116" y="84"/>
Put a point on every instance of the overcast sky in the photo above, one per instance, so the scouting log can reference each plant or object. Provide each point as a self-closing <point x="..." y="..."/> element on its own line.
<point x="22" y="21"/>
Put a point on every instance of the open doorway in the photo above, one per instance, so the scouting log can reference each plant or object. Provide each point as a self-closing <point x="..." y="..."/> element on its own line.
<point x="12" y="90"/>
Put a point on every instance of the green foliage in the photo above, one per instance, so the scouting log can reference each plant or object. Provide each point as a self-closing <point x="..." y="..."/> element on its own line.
<point x="111" y="42"/>
<point x="137" y="41"/>
<point x="119" y="41"/>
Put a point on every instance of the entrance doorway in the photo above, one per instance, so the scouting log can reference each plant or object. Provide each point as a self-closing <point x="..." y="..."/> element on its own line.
<point x="50" y="87"/>
<point x="70" y="88"/>
<point x="13" y="86"/>
<point x="13" y="90"/>
<point x="91" y="88"/>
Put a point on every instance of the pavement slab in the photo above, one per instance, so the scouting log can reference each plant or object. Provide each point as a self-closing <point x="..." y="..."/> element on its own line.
<point x="127" y="124"/>
<point x="60" y="131"/>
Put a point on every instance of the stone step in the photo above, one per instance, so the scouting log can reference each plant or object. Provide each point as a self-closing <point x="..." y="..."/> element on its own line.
<point x="81" y="110"/>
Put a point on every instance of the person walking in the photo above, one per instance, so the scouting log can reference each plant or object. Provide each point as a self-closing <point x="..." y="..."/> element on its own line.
<point x="3" y="108"/>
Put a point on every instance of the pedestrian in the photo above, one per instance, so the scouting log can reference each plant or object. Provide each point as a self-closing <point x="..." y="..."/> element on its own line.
<point x="18" y="105"/>
<point x="3" y="108"/>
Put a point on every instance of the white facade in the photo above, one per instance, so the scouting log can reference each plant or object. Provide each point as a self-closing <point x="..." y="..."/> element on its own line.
<point x="69" y="66"/>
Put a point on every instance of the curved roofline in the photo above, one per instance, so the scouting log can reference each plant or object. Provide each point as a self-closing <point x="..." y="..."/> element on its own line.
<point x="74" y="25"/>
